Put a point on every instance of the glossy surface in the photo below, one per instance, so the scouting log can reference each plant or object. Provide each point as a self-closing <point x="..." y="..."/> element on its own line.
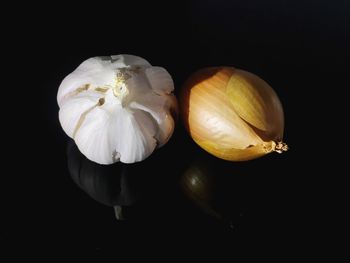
<point x="199" y="181"/>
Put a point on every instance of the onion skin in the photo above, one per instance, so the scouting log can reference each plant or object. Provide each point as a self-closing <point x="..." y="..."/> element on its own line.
<point x="232" y="114"/>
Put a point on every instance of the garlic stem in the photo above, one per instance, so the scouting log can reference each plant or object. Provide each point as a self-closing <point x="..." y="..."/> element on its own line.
<point x="120" y="89"/>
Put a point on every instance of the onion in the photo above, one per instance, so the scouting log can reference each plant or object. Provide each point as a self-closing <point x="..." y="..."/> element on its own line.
<point x="232" y="114"/>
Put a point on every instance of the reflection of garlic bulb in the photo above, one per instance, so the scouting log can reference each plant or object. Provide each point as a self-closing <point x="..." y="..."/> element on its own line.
<point x="117" y="108"/>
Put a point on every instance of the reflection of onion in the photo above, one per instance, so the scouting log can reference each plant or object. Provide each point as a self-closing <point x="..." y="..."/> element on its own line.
<point x="232" y="114"/>
<point x="198" y="185"/>
<point x="216" y="188"/>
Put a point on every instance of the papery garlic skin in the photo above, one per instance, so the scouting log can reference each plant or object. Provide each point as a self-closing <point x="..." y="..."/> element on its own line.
<point x="117" y="108"/>
<point x="232" y="114"/>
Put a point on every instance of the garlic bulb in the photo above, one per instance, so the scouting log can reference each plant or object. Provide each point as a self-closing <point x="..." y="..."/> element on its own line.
<point x="232" y="114"/>
<point x="117" y="108"/>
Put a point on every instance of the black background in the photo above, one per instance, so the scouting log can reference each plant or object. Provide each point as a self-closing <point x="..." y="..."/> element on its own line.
<point x="300" y="48"/>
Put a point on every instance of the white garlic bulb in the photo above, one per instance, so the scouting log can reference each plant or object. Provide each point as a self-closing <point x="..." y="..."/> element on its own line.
<point x="117" y="108"/>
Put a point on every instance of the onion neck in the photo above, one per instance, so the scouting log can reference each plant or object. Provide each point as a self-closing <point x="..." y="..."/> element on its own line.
<point x="274" y="146"/>
<point x="280" y="147"/>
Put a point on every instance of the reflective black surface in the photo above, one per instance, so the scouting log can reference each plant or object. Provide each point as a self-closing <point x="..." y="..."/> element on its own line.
<point x="183" y="191"/>
<point x="202" y="181"/>
<point x="180" y="199"/>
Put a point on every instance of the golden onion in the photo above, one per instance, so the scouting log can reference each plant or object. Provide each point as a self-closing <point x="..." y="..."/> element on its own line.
<point x="232" y="114"/>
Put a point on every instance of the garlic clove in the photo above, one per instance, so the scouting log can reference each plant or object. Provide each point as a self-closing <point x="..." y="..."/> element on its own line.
<point x="73" y="110"/>
<point x="91" y="74"/>
<point x="106" y="137"/>
<point x="256" y="103"/>
<point x="160" y="80"/>
<point x="93" y="140"/>
<point x="155" y="107"/>
<point x="161" y="106"/>
<point x="142" y="142"/>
